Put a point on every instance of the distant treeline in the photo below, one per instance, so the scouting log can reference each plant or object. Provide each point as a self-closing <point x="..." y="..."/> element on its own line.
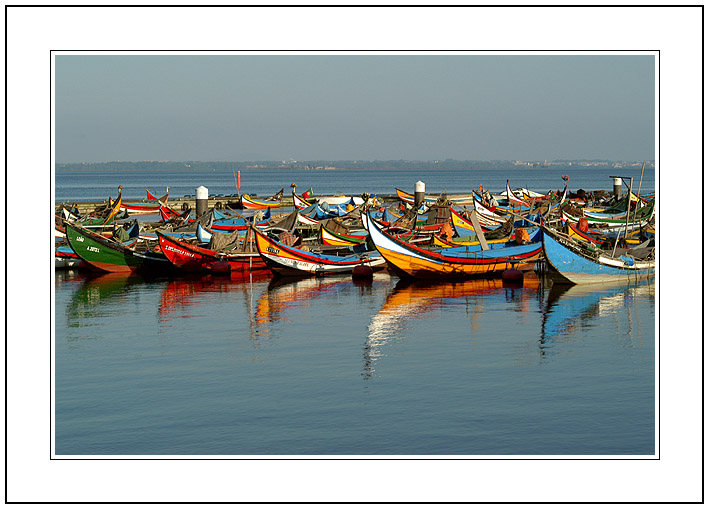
<point x="447" y="164"/>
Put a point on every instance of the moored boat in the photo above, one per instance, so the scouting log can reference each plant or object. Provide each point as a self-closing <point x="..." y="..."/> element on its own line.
<point x="192" y="257"/>
<point x="249" y="202"/>
<point x="109" y="255"/>
<point x="574" y="262"/>
<point x="289" y="261"/>
<point x="413" y="261"/>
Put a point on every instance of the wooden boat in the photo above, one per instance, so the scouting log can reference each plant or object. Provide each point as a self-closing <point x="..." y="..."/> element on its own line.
<point x="289" y="261"/>
<point x="513" y="199"/>
<point x="108" y="255"/>
<point x="192" y="257"/>
<point x="413" y="261"/>
<point x="331" y="238"/>
<point x="153" y="198"/>
<point x="100" y="219"/>
<point x="241" y="223"/>
<point x="66" y="258"/>
<point x="150" y="206"/>
<point x="573" y="262"/>
<point x="248" y="202"/>
<point x="486" y="219"/>
<point x="298" y="201"/>
<point x="408" y="198"/>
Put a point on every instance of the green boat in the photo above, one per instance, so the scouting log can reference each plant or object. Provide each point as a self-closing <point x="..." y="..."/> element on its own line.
<point x="109" y="255"/>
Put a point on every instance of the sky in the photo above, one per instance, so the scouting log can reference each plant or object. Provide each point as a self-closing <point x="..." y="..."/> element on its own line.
<point x="233" y="107"/>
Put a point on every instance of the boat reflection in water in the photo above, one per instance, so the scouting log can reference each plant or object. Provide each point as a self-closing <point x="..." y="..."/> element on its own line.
<point x="286" y="293"/>
<point x="569" y="309"/>
<point x="99" y="295"/>
<point x="186" y="291"/>
<point x="411" y="301"/>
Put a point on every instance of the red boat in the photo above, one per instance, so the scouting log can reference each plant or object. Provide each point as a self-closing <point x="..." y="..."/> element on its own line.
<point x="193" y="257"/>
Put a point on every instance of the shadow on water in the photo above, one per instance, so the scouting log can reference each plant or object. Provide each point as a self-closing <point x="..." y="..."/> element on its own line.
<point x="569" y="309"/>
<point x="411" y="301"/>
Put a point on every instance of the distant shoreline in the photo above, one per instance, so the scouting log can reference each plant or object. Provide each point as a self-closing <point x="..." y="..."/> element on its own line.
<point x="334" y="166"/>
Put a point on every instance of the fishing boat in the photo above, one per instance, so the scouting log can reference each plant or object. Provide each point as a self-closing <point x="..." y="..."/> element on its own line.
<point x="100" y="219"/>
<point x="193" y="257"/>
<point x="575" y="262"/>
<point x="331" y="238"/>
<point x="249" y="202"/>
<point x="150" y="206"/>
<point x="298" y="201"/>
<point x="109" y="255"/>
<point x="411" y="261"/>
<point x="242" y="223"/>
<point x="286" y="260"/>
<point x="66" y="258"/>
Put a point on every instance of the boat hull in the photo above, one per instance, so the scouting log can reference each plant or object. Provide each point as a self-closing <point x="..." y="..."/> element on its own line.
<point x="101" y="253"/>
<point x="411" y="261"/>
<point x="193" y="258"/>
<point x="253" y="203"/>
<point x="571" y="267"/>
<point x="288" y="261"/>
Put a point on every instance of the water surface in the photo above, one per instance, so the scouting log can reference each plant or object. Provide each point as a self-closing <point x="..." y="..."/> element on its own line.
<point x="250" y="365"/>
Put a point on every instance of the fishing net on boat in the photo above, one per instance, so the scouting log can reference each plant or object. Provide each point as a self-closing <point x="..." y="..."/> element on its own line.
<point x="220" y="241"/>
<point x="288" y="223"/>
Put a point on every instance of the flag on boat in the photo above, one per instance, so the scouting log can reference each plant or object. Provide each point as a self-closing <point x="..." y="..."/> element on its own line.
<point x="308" y="193"/>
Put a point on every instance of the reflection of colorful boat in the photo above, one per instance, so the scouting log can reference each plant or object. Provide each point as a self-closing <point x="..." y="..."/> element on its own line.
<point x="98" y="294"/>
<point x="569" y="308"/>
<point x="179" y="292"/>
<point x="411" y="301"/>
<point x="285" y="293"/>
<point x="573" y="262"/>
<point x="287" y="260"/>
<point x="459" y="262"/>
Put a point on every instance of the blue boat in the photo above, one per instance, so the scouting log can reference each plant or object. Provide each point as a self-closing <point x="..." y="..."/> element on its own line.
<point x="580" y="263"/>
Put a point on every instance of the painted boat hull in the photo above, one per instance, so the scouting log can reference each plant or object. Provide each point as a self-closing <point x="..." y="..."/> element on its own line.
<point x="288" y="261"/>
<point x="455" y="263"/>
<point x="193" y="258"/>
<point x="331" y="238"/>
<point x="299" y="202"/>
<point x="100" y="252"/>
<point x="572" y="267"/>
<point x="253" y="203"/>
<point x="138" y="208"/>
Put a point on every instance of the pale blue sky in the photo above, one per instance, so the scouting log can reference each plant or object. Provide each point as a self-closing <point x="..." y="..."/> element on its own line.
<point x="337" y="107"/>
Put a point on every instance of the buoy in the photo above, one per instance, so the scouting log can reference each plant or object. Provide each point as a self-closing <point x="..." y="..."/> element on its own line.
<point x="512" y="275"/>
<point x="362" y="271"/>
<point x="221" y="266"/>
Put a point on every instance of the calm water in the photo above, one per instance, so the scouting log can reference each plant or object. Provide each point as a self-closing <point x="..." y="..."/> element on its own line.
<point x="240" y="365"/>
<point x="247" y="365"/>
<point x="79" y="185"/>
